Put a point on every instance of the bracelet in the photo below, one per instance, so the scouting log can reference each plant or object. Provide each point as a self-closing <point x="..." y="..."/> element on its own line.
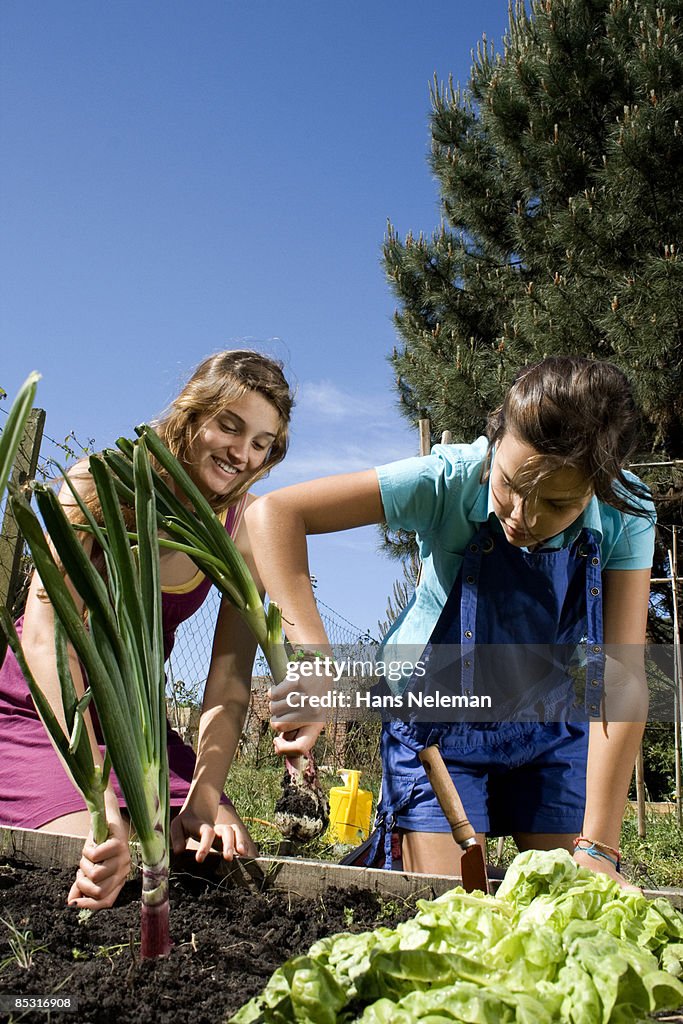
<point x="595" y="842"/>
<point x="599" y="850"/>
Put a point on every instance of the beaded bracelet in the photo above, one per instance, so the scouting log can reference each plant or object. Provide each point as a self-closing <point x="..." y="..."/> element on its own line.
<point x="599" y="850"/>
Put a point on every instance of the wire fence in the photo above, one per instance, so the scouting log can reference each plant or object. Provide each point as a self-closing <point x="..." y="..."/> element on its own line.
<point x="189" y="662"/>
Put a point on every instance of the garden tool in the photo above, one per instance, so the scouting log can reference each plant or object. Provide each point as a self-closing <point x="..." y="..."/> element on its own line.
<point x="472" y="864"/>
<point x="302" y="811"/>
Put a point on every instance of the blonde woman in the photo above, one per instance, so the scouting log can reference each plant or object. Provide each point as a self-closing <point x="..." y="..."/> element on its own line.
<point x="228" y="427"/>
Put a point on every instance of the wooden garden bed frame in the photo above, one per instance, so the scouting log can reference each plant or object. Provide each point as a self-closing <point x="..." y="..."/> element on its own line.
<point x="296" y="876"/>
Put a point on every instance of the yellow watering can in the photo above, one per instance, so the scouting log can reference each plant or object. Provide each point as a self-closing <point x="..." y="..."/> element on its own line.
<point x="350" y="810"/>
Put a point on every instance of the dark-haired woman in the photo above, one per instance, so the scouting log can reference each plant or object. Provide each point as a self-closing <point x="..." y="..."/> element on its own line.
<point x="535" y="542"/>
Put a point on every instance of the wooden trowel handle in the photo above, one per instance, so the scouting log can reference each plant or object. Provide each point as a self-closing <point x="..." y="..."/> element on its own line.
<point x="447" y="794"/>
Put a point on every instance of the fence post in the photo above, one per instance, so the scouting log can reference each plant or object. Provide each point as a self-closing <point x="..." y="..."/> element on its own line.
<point x="640" y="792"/>
<point x="678" y="670"/>
<point x="11" y="541"/>
<point x="425" y="437"/>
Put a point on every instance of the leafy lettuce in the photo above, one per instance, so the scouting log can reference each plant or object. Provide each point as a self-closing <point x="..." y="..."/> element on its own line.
<point x="557" y="943"/>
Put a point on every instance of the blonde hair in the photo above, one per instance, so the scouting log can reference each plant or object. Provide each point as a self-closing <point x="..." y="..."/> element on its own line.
<point x="218" y="381"/>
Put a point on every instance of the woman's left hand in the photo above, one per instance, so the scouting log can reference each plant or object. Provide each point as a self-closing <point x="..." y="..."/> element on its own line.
<point x="228" y="831"/>
<point x="603" y="867"/>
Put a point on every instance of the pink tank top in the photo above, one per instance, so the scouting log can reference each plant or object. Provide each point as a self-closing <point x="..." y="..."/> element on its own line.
<point x="180" y="603"/>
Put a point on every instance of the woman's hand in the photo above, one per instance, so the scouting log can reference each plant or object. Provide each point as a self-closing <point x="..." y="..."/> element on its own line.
<point x="295" y="732"/>
<point x="295" y="742"/>
<point x="603" y="867"/>
<point x="102" y="870"/>
<point x="228" y="831"/>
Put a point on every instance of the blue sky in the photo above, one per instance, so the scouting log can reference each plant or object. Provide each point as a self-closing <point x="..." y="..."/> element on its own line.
<point x="180" y="178"/>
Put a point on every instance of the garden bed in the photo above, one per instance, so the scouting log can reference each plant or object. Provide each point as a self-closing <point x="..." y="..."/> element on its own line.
<point x="231" y="929"/>
<point x="227" y="943"/>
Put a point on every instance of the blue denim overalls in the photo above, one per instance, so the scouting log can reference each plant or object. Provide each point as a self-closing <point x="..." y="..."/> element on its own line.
<point x="503" y="595"/>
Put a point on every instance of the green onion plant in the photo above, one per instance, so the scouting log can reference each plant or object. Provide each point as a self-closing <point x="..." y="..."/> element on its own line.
<point x="193" y="528"/>
<point x="121" y="650"/>
<point x="10" y="439"/>
<point x="13" y="431"/>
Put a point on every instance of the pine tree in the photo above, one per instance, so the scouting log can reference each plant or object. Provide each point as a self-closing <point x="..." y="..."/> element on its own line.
<point x="560" y="168"/>
<point x="561" y="178"/>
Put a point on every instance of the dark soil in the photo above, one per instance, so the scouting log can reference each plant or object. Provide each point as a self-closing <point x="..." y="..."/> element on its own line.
<point x="302" y="811"/>
<point x="227" y="942"/>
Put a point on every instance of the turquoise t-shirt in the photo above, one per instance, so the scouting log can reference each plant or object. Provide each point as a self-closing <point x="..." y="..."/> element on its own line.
<point x="441" y="497"/>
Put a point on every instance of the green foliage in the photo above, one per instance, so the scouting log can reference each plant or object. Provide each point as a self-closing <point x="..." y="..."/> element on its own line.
<point x="660" y="762"/>
<point x="121" y="650"/>
<point x="402" y="593"/>
<point x="559" y="172"/>
<point x="656" y="860"/>
<point x="13" y="431"/>
<point x="197" y="532"/>
<point x="652" y="862"/>
<point x="22" y="946"/>
<point x="10" y="439"/>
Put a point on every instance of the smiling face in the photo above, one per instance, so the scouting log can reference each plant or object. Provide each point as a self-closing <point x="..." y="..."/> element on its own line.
<point x="548" y="509"/>
<point x="233" y="444"/>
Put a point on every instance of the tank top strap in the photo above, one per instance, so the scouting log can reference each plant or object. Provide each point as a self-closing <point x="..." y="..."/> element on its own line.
<point x="181" y="602"/>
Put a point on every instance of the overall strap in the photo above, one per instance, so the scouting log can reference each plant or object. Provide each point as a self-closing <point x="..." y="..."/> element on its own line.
<point x="588" y="548"/>
<point x="479" y="547"/>
<point x="585" y="547"/>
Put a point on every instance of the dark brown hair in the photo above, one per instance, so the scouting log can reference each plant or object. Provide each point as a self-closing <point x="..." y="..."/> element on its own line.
<point x="579" y="414"/>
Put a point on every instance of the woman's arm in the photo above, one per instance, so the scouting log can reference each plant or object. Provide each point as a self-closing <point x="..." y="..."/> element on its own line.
<point x="614" y="740"/>
<point x="278" y="525"/>
<point x="224" y="708"/>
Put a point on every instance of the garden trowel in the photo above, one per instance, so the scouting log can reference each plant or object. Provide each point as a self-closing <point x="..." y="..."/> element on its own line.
<point x="472" y="864"/>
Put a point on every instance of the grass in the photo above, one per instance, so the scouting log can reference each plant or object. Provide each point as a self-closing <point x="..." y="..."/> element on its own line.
<point x="657" y="860"/>
<point x="653" y="862"/>
<point x="22" y="945"/>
